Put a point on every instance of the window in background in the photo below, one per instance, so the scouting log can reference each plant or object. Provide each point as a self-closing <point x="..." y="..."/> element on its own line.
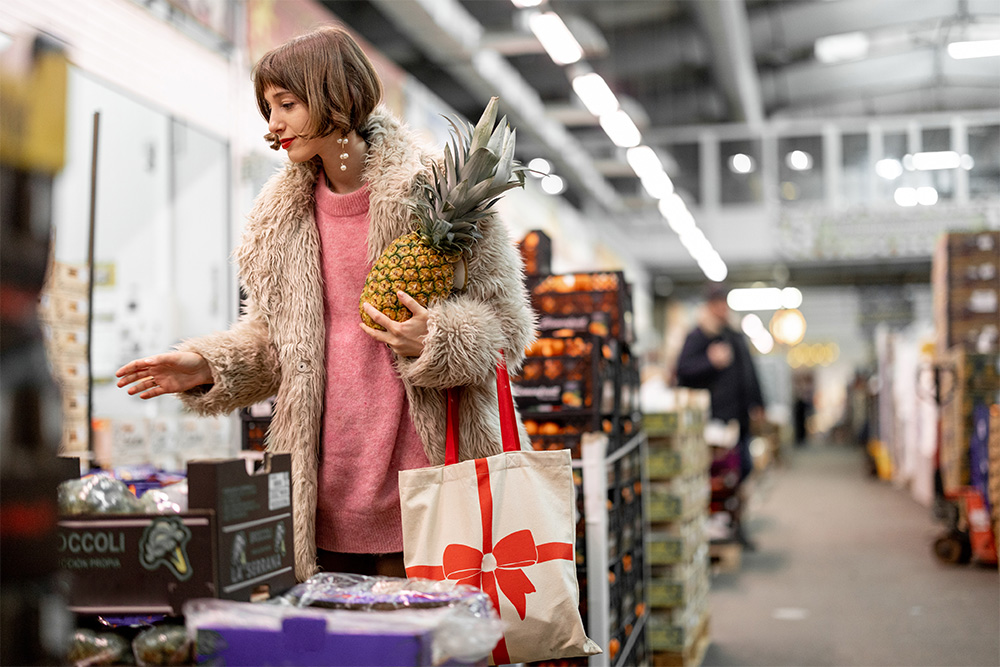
<point x="890" y="174"/>
<point x="984" y="149"/>
<point x="938" y="140"/>
<point x="800" y="168"/>
<point x="740" y="172"/>
<point x="856" y="174"/>
<point x="687" y="176"/>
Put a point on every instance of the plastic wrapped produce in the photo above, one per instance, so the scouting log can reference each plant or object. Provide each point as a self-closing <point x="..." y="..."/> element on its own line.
<point x="171" y="499"/>
<point x="98" y="648"/>
<point x="338" y="590"/>
<point x="162" y="645"/>
<point x="459" y="620"/>
<point x="97" y="494"/>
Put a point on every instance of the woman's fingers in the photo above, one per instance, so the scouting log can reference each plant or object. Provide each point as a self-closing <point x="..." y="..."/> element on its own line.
<point x="382" y="320"/>
<point x="139" y="385"/>
<point x="412" y="304"/>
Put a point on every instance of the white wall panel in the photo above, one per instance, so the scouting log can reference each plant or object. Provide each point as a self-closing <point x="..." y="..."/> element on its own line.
<point x="124" y="44"/>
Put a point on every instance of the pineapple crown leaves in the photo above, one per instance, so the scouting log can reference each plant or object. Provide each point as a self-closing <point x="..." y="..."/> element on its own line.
<point x="478" y="167"/>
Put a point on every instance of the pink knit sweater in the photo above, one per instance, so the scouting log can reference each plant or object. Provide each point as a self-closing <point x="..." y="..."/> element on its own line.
<point x="368" y="436"/>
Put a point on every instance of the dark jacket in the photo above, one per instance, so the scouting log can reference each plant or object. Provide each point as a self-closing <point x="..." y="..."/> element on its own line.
<point x="734" y="389"/>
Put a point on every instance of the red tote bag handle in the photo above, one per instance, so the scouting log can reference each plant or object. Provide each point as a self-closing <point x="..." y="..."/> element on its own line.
<point x="508" y="420"/>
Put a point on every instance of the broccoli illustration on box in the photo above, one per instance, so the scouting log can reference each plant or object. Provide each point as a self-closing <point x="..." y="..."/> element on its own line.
<point x="164" y="542"/>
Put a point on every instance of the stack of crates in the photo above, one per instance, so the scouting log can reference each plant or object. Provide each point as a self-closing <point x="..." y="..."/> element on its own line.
<point x="63" y="309"/>
<point x="678" y="462"/>
<point x="580" y="383"/>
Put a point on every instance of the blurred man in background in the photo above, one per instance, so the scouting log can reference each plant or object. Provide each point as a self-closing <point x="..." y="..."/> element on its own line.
<point x="716" y="357"/>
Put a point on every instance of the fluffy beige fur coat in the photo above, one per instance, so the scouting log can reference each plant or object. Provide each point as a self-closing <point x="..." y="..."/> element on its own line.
<point x="277" y="347"/>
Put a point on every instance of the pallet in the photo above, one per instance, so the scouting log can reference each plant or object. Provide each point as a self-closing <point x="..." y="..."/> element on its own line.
<point x="693" y="655"/>
<point x="725" y="556"/>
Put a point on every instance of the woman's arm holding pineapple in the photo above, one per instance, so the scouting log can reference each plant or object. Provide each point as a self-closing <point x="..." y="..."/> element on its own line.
<point x="404" y="338"/>
<point x="467" y="331"/>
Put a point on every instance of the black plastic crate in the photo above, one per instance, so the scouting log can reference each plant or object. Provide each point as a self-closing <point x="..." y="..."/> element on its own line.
<point x="598" y="303"/>
<point x="575" y="375"/>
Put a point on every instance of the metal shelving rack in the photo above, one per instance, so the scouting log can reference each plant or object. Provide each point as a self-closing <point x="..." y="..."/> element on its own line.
<point x="594" y="465"/>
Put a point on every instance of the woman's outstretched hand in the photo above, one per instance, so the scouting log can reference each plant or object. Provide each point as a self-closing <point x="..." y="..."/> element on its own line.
<point x="166" y="373"/>
<point x="404" y="338"/>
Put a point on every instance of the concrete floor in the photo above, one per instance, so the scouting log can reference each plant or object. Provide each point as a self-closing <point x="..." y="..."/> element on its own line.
<point x="844" y="575"/>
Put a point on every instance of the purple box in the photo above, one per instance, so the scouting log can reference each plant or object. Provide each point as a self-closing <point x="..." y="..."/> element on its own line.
<point x="307" y="641"/>
<point x="227" y="632"/>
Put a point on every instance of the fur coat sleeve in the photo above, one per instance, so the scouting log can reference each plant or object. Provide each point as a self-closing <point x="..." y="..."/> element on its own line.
<point x="467" y="331"/>
<point x="244" y="366"/>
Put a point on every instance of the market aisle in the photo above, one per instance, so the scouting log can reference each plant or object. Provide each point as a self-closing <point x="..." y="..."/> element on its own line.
<point x="844" y="575"/>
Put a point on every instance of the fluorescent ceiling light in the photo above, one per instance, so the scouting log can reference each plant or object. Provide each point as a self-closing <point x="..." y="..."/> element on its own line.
<point x="799" y="161"/>
<point x="763" y="298"/>
<point x="683" y="223"/>
<point x="525" y="4"/>
<point x="714" y="268"/>
<point x="643" y="160"/>
<point x="889" y="169"/>
<point x="672" y="206"/>
<point x="838" y="48"/>
<point x="553" y="184"/>
<point x="764" y="342"/>
<point x="752" y="325"/>
<point x="621" y="129"/>
<point x="791" y="297"/>
<point x="539" y="167"/>
<point x="696" y="243"/>
<point x="555" y="37"/>
<point x="658" y="185"/>
<point x="933" y="160"/>
<point x="595" y="94"/>
<point x="741" y="163"/>
<point x="677" y="214"/>
<point x="927" y="196"/>
<point x="984" y="48"/>
<point x="905" y="197"/>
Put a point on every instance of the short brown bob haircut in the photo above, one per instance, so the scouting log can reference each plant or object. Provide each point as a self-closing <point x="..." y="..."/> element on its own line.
<point x="328" y="72"/>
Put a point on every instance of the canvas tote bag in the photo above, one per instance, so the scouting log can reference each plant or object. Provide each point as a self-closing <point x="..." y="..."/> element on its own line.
<point x="503" y="524"/>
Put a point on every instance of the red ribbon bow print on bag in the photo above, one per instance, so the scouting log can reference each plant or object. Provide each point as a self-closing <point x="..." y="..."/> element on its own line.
<point x="495" y="567"/>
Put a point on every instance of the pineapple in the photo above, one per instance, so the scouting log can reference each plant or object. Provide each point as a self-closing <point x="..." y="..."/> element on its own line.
<point x="479" y="166"/>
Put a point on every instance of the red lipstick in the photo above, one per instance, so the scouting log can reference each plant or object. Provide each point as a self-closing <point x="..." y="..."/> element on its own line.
<point x="285" y="143"/>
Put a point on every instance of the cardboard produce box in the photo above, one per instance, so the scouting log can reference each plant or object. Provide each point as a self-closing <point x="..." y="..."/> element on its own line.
<point x="965" y="280"/>
<point x="972" y="380"/>
<point x="234" y="542"/>
<point x="235" y="633"/>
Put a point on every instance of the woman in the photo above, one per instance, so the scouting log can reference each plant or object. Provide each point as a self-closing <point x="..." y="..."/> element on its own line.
<point x="353" y="405"/>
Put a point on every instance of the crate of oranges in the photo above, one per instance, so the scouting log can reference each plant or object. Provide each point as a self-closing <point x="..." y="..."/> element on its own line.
<point x="571" y="374"/>
<point x="536" y="252"/>
<point x="597" y="303"/>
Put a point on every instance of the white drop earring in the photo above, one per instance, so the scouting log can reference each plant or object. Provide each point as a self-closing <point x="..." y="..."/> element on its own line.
<point x="344" y="155"/>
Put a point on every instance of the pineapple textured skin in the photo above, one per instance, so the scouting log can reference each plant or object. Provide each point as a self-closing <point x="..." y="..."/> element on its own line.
<point x="478" y="167"/>
<point x="410" y="265"/>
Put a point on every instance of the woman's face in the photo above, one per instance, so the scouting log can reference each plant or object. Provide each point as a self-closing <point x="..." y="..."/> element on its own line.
<point x="290" y="121"/>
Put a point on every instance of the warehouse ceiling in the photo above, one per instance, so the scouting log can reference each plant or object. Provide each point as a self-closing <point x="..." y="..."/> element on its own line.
<point x="676" y="64"/>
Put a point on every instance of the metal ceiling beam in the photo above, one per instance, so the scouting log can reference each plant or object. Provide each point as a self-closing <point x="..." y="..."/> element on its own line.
<point x="453" y="39"/>
<point x="728" y="30"/>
